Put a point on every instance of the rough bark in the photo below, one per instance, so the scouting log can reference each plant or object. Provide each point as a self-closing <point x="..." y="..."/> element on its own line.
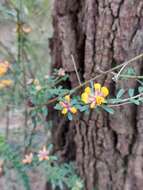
<point x="101" y="34"/>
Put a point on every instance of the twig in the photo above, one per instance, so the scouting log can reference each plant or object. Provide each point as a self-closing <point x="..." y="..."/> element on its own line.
<point x="96" y="77"/>
<point x="126" y="101"/>
<point x="129" y="76"/>
<point x="75" y="67"/>
<point x="125" y="64"/>
<point x="121" y="104"/>
<point x="7" y="121"/>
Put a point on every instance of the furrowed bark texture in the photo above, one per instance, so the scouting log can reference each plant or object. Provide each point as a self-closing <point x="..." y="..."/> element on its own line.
<point x="101" y="34"/>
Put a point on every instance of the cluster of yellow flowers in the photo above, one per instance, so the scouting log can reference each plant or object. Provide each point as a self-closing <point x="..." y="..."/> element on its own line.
<point x="95" y="97"/>
<point x="4" y="66"/>
<point x="42" y="155"/>
<point x="67" y="106"/>
<point x="92" y="96"/>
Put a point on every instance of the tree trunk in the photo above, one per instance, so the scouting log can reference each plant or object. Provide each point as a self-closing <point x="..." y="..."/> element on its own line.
<point x="101" y="34"/>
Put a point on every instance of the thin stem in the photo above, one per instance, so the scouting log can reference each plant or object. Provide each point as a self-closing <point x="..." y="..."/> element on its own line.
<point x="125" y="64"/>
<point x="75" y="68"/>
<point x="126" y="101"/>
<point x="121" y="104"/>
<point x="7" y="121"/>
<point x="133" y="97"/>
<point x="96" y="77"/>
<point x="129" y="76"/>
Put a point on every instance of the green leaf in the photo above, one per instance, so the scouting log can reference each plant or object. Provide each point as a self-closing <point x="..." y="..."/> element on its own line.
<point x="83" y="108"/>
<point x="70" y="117"/>
<point x="141" y="100"/>
<point x="140" y="89"/>
<point x="108" y="109"/>
<point x="130" y="71"/>
<point x="54" y="158"/>
<point x="58" y="107"/>
<point x="135" y="101"/>
<point x="120" y="93"/>
<point x="74" y="101"/>
<point x="45" y="111"/>
<point x="113" y="101"/>
<point x="131" y="92"/>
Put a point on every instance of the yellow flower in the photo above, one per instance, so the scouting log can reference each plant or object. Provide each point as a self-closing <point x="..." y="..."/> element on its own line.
<point x="67" y="98"/>
<point x="92" y="105"/>
<point x="43" y="154"/>
<point x="36" y="82"/>
<point x="97" y="86"/>
<point x="28" y="159"/>
<point x="105" y="91"/>
<point x="2" y="86"/>
<point x="73" y="110"/>
<point x="84" y="97"/>
<point x="6" y="83"/>
<point x="4" y="67"/>
<point x="64" y="111"/>
<point x="87" y="90"/>
<point x="100" y="100"/>
<point x="67" y="106"/>
<point x="3" y="71"/>
<point x="96" y="96"/>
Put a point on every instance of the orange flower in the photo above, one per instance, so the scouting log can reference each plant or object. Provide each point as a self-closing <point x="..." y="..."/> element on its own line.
<point x="26" y="29"/>
<point x="4" y="66"/>
<point x="61" y="72"/>
<point x="5" y="83"/>
<point x="28" y="159"/>
<point x="43" y="154"/>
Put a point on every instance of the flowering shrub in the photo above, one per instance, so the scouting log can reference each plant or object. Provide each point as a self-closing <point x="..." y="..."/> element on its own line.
<point x="35" y="93"/>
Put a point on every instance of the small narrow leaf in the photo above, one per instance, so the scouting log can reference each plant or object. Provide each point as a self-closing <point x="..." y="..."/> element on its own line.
<point x="131" y="92"/>
<point x="108" y="109"/>
<point x="57" y="107"/>
<point x="83" y="108"/>
<point x="140" y="89"/>
<point x="45" y="111"/>
<point x="135" y="101"/>
<point x="120" y="93"/>
<point x="70" y="116"/>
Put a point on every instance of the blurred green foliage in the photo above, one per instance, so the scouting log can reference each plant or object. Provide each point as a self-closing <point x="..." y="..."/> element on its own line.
<point x="27" y="28"/>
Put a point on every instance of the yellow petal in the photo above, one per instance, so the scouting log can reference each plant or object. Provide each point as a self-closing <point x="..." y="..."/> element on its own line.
<point x="87" y="90"/>
<point x="3" y="70"/>
<point x="105" y="91"/>
<point x="84" y="97"/>
<point x="97" y="86"/>
<point x="73" y="110"/>
<point x="7" y="82"/>
<point x="92" y="105"/>
<point x="64" y="111"/>
<point x="1" y="86"/>
<point x="36" y="82"/>
<point x="99" y="100"/>
<point x="67" y="98"/>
